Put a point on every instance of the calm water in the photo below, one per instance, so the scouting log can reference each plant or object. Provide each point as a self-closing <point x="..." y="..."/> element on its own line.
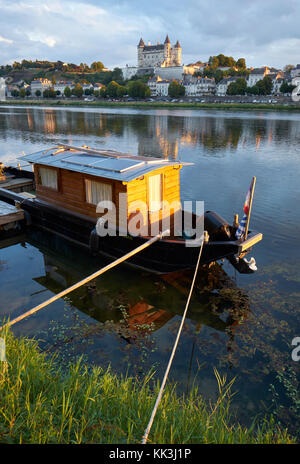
<point x="242" y="325"/>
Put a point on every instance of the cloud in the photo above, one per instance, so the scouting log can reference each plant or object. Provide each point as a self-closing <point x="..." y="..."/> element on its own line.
<point x="87" y="30"/>
<point x="3" y="39"/>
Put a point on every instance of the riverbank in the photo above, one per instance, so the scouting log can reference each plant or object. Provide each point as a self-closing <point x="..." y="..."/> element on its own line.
<point x="151" y="105"/>
<point x="40" y="403"/>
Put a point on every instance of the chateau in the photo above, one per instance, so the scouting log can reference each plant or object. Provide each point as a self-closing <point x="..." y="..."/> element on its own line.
<point x="160" y="55"/>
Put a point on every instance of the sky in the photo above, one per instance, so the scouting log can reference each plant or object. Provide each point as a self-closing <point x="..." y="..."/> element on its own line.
<point x="265" y="32"/>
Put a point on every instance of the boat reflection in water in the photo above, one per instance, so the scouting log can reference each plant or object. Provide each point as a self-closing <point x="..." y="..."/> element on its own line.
<point x="137" y="303"/>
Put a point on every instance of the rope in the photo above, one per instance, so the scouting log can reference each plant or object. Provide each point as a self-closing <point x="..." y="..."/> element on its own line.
<point x="87" y="279"/>
<point x="160" y="393"/>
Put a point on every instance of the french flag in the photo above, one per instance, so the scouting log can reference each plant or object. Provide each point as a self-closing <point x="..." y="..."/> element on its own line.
<point x="242" y="226"/>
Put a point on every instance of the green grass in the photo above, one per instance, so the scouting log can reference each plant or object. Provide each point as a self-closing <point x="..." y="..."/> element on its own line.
<point x="41" y="403"/>
<point x="169" y="105"/>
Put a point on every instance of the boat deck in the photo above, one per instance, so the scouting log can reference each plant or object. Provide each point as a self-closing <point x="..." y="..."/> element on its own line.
<point x="9" y="213"/>
<point x="17" y="184"/>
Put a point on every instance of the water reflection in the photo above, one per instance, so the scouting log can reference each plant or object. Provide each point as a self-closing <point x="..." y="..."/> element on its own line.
<point x="217" y="302"/>
<point x="155" y="134"/>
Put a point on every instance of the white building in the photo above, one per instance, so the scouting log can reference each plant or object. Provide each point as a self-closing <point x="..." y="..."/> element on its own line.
<point x="198" y="86"/>
<point x="257" y="75"/>
<point x="41" y="85"/>
<point x="159" y="87"/>
<point x="295" y="72"/>
<point x="61" y="85"/>
<point x="2" y="89"/>
<point x="222" y="86"/>
<point x="129" y="71"/>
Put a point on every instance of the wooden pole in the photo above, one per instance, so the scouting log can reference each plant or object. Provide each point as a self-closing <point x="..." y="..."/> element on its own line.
<point x="250" y="205"/>
<point x="87" y="279"/>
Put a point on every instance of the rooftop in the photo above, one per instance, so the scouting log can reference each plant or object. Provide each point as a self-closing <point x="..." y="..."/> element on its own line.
<point x="102" y="163"/>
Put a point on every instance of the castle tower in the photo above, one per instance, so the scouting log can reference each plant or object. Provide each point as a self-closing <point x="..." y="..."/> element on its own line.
<point x="167" y="51"/>
<point x="140" y="49"/>
<point x="177" y="54"/>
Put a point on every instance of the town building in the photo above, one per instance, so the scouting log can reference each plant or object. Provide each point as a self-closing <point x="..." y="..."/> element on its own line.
<point x="199" y="86"/>
<point x="256" y="75"/>
<point x="61" y="85"/>
<point x="41" y="85"/>
<point x="295" y="72"/>
<point x="222" y="86"/>
<point x="159" y="87"/>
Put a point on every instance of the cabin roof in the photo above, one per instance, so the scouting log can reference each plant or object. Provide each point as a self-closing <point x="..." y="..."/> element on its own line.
<point x="101" y="163"/>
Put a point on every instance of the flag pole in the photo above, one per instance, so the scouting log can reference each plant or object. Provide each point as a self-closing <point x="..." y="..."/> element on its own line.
<point x="250" y="205"/>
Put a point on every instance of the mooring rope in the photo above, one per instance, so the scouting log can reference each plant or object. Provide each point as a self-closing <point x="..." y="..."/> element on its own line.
<point x="87" y="279"/>
<point x="160" y="393"/>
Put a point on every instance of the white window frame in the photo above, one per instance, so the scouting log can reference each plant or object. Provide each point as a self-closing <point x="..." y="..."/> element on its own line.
<point x="155" y="204"/>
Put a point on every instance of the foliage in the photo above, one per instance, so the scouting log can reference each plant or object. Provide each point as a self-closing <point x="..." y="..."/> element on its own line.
<point x="38" y="93"/>
<point x="176" y="90"/>
<point x="14" y="93"/>
<point x="67" y="92"/>
<point x="97" y="66"/>
<point x="138" y="89"/>
<point x="40" y="403"/>
<point x="112" y="89"/>
<point x="49" y="93"/>
<point x="286" y="87"/>
<point x="22" y="93"/>
<point x="237" y="88"/>
<point x="77" y="91"/>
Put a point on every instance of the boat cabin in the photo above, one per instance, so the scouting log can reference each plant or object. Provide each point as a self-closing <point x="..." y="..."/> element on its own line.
<point x="77" y="179"/>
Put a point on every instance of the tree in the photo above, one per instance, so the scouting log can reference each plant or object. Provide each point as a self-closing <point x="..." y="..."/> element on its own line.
<point x="286" y="88"/>
<point x="28" y="93"/>
<point x="22" y="93"/>
<point x="14" y="93"/>
<point x="77" y="91"/>
<point x="97" y="66"/>
<point x="87" y="92"/>
<point x="138" y="89"/>
<point x="102" y="92"/>
<point x="265" y="86"/>
<point x="49" y="93"/>
<point x="288" y="67"/>
<point x="241" y="63"/>
<point x="176" y="90"/>
<point x="237" y="88"/>
<point x="67" y="92"/>
<point x="254" y="90"/>
<point x="112" y="89"/>
<point x="121" y="91"/>
<point x="96" y="93"/>
<point x="38" y="93"/>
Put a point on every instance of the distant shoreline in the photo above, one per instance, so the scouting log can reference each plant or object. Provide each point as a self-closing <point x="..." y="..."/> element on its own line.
<point x="169" y="105"/>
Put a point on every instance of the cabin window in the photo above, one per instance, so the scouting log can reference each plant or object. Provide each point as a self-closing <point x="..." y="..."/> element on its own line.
<point x="97" y="191"/>
<point x="155" y="193"/>
<point x="48" y="178"/>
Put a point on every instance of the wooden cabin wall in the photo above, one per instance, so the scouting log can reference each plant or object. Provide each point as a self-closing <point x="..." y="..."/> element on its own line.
<point x="137" y="190"/>
<point x="71" y="192"/>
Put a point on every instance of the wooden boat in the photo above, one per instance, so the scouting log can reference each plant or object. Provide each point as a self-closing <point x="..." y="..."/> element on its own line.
<point x="71" y="181"/>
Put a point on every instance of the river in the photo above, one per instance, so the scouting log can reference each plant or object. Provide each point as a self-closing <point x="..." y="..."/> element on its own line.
<point x="241" y="324"/>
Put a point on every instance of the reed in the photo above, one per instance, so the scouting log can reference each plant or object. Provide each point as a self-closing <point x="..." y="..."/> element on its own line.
<point x="41" y="403"/>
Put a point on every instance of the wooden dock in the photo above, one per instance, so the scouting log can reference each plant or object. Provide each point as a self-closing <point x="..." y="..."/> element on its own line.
<point x="17" y="184"/>
<point x="9" y="214"/>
